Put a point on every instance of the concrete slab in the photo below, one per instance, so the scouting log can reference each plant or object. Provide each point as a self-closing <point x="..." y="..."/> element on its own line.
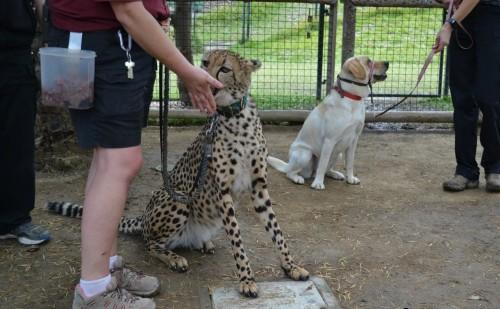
<point x="312" y="294"/>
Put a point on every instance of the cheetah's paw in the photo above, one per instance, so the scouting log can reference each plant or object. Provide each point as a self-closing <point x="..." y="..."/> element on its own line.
<point x="178" y="263"/>
<point x="249" y="288"/>
<point x="297" y="273"/>
<point x="208" y="248"/>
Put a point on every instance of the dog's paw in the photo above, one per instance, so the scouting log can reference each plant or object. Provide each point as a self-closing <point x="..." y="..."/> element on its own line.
<point x="353" y="180"/>
<point x="335" y="175"/>
<point x="297" y="179"/>
<point x="318" y="185"/>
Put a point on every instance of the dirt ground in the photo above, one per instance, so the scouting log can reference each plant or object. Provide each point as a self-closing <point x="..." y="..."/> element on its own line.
<point x="395" y="241"/>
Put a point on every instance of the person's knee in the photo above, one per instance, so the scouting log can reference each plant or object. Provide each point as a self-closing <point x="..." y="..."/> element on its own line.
<point x="488" y="104"/>
<point x="121" y="163"/>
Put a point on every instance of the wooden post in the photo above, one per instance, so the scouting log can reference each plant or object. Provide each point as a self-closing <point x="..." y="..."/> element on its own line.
<point x="349" y="30"/>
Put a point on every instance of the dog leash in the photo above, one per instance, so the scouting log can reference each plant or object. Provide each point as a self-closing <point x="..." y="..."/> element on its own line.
<point x="205" y="156"/>
<point x="429" y="58"/>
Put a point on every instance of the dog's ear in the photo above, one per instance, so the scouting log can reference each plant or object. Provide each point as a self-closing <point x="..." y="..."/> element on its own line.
<point x="356" y="68"/>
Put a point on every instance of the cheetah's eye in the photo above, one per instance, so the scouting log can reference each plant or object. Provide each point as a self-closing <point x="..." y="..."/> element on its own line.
<point x="205" y="63"/>
<point x="225" y="70"/>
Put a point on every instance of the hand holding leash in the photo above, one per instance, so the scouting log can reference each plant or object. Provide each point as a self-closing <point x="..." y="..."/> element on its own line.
<point x="442" y="38"/>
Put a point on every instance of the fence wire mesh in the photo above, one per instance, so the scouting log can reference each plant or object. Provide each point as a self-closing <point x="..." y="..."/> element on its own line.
<point x="291" y="39"/>
<point x="404" y="37"/>
<point x="283" y="36"/>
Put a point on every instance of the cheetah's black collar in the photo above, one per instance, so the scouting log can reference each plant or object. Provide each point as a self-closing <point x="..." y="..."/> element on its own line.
<point x="234" y="108"/>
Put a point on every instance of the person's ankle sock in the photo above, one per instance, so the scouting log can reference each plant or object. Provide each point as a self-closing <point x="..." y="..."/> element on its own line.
<point x="112" y="261"/>
<point x="94" y="287"/>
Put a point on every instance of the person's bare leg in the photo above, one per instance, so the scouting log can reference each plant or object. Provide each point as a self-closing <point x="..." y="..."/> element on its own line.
<point x="90" y="178"/>
<point x="91" y="174"/>
<point x="103" y="206"/>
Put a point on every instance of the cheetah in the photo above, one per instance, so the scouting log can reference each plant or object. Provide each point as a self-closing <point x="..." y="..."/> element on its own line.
<point x="238" y="164"/>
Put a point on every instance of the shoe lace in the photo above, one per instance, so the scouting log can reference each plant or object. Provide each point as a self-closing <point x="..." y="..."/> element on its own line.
<point x="129" y="275"/>
<point x="30" y="228"/>
<point x="122" y="295"/>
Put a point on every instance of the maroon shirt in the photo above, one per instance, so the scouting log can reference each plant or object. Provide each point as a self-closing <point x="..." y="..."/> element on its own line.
<point x="93" y="15"/>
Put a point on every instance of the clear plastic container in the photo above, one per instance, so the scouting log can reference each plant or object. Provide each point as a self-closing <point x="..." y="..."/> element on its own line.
<point x="67" y="77"/>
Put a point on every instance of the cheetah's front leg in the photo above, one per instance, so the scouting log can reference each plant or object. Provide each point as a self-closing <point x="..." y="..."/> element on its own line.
<point x="248" y="287"/>
<point x="176" y="262"/>
<point x="262" y="204"/>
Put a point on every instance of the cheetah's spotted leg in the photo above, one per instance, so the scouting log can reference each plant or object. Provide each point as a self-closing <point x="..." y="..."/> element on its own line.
<point x="176" y="262"/>
<point x="262" y="204"/>
<point x="248" y="287"/>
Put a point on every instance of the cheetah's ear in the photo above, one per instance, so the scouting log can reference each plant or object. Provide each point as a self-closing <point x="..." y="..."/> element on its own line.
<point x="254" y="64"/>
<point x="356" y="68"/>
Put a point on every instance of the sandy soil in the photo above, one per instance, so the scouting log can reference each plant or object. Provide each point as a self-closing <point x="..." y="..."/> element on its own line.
<point x="395" y="241"/>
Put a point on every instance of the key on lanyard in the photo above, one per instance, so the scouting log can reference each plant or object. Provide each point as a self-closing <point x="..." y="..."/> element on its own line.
<point x="129" y="64"/>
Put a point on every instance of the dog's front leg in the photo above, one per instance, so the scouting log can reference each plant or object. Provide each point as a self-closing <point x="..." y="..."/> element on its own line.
<point x="324" y="160"/>
<point x="349" y="163"/>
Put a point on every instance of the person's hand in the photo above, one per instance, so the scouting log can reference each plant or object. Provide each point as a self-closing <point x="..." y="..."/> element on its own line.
<point x="199" y="85"/>
<point x="165" y="24"/>
<point x="443" y="38"/>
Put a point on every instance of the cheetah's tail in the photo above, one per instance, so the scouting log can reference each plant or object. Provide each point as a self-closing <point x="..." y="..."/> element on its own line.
<point x="67" y="209"/>
<point x="73" y="210"/>
<point x="278" y="164"/>
<point x="131" y="225"/>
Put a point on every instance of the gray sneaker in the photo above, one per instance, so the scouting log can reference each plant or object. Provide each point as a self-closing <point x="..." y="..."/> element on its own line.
<point x="459" y="183"/>
<point x="113" y="297"/>
<point x="493" y="182"/>
<point x="134" y="282"/>
<point x="28" y="234"/>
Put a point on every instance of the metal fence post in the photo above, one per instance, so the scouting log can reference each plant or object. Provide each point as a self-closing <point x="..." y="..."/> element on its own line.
<point x="332" y="43"/>
<point x="321" y="39"/>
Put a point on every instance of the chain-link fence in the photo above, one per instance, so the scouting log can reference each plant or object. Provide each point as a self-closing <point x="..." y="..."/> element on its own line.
<point x="403" y="36"/>
<point x="296" y="43"/>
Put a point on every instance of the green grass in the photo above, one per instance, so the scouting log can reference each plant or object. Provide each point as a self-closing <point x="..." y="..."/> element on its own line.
<point x="285" y="41"/>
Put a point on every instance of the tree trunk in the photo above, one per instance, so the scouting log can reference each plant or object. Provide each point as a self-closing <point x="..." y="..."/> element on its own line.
<point x="182" y="22"/>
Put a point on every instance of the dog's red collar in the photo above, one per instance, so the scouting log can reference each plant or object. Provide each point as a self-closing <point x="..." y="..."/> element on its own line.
<point x="344" y="93"/>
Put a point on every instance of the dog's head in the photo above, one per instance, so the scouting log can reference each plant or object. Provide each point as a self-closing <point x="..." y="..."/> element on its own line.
<point x="363" y="71"/>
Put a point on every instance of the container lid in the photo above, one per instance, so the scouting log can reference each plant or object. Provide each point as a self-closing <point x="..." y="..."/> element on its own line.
<point x="66" y="52"/>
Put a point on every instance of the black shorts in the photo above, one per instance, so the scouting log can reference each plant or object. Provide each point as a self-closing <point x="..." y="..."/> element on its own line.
<point x="116" y="119"/>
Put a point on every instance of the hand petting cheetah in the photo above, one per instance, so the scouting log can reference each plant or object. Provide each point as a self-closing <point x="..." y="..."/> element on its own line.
<point x="238" y="164"/>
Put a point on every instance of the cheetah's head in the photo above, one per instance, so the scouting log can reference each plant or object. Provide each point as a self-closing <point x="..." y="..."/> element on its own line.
<point x="233" y="71"/>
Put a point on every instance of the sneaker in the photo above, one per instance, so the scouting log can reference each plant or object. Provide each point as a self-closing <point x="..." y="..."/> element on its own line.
<point x="459" y="183"/>
<point x="493" y="182"/>
<point x="28" y="234"/>
<point x="113" y="297"/>
<point x="134" y="282"/>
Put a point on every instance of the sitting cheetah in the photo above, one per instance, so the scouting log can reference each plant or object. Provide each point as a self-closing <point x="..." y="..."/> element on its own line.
<point x="238" y="164"/>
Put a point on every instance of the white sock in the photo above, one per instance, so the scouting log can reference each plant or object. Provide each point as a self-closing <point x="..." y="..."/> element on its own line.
<point x="112" y="261"/>
<point x="94" y="287"/>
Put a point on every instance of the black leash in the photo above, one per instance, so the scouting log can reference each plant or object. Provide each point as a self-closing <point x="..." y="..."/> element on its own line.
<point x="206" y="151"/>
